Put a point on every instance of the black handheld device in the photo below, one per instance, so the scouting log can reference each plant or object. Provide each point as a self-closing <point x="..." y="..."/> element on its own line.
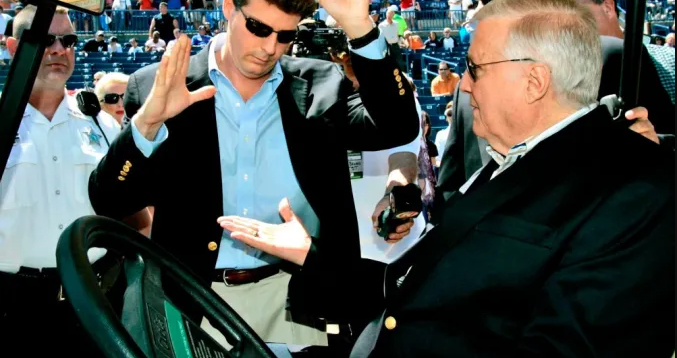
<point x="405" y="204"/>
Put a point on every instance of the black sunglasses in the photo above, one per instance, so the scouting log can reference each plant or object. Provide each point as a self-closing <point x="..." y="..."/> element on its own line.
<point x="472" y="67"/>
<point x="112" y="98"/>
<point x="67" y="41"/>
<point x="262" y="30"/>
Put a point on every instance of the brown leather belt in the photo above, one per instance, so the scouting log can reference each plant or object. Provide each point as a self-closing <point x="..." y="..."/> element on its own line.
<point x="232" y="277"/>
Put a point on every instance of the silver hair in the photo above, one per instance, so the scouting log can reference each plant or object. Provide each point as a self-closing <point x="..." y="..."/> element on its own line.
<point x="559" y="33"/>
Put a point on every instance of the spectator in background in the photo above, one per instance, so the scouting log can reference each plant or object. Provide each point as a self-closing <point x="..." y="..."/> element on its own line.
<point x="110" y="90"/>
<point x="97" y="76"/>
<point x="448" y="41"/>
<point x="455" y="11"/>
<point x="96" y="44"/>
<point x="445" y="83"/>
<point x="442" y="136"/>
<point x="399" y="20"/>
<point x="374" y="16"/>
<point x="145" y="5"/>
<point x="135" y="47"/>
<point x="114" y="46"/>
<point x="5" y="56"/>
<point x="201" y="38"/>
<point x="427" y="179"/>
<point x="196" y="16"/>
<point x="389" y="29"/>
<point x="4" y="20"/>
<point x="208" y="29"/>
<point x="164" y="23"/>
<point x="412" y="41"/>
<point x="10" y="23"/>
<point x="670" y="40"/>
<point x="177" y="34"/>
<point x="432" y="41"/>
<point x="156" y="43"/>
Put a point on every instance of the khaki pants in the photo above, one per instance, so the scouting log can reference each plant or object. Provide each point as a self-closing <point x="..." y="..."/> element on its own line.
<point x="262" y="306"/>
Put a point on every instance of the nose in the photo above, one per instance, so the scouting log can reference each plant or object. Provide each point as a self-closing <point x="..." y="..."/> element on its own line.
<point x="466" y="82"/>
<point x="270" y="44"/>
<point x="56" y="48"/>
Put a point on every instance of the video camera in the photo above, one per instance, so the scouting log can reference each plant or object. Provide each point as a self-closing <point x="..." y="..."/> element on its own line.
<point x="405" y="204"/>
<point x="314" y="41"/>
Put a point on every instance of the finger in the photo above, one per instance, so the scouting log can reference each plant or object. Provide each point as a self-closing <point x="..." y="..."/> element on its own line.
<point x="398" y="235"/>
<point x="201" y="94"/>
<point x="285" y="210"/>
<point x="161" y="71"/>
<point x="637" y="113"/>
<point x="253" y="241"/>
<point x="243" y="222"/>
<point x="641" y="126"/>
<point x="404" y="227"/>
<point x="180" y="77"/>
<point x="186" y="59"/>
<point x="171" y="65"/>
<point x="239" y="227"/>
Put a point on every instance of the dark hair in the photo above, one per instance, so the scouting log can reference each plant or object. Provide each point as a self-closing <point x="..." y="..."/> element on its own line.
<point x="443" y="63"/>
<point x="305" y="8"/>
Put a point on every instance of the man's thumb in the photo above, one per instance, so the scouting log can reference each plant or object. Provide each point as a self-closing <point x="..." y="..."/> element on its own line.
<point x="285" y="210"/>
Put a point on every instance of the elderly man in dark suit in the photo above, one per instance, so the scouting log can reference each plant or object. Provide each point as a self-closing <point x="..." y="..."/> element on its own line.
<point x="561" y="246"/>
<point x="238" y="127"/>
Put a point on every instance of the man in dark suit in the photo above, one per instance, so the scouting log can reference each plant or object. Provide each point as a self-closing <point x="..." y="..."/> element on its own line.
<point x="278" y="127"/>
<point x="560" y="247"/>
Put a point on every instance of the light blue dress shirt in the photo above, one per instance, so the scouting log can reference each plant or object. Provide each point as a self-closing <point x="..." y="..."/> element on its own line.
<point x="256" y="168"/>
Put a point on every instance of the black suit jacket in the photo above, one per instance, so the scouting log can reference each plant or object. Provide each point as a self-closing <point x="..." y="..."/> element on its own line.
<point x="567" y="253"/>
<point x="182" y="179"/>
<point x="461" y="160"/>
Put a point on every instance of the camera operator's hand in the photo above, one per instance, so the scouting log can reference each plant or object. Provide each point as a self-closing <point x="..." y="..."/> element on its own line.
<point x="169" y="95"/>
<point x="353" y="15"/>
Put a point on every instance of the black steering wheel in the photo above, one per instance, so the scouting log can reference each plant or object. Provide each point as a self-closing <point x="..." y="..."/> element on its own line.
<point x="151" y="325"/>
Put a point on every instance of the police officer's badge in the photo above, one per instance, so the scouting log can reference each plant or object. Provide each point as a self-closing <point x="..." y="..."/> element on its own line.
<point x="93" y="138"/>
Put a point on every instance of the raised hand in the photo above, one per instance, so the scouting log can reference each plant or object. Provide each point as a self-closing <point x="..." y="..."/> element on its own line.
<point x="169" y="95"/>
<point x="289" y="241"/>
<point x="352" y="15"/>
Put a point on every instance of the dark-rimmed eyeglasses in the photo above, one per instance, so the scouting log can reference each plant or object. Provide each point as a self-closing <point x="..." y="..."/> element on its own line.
<point x="262" y="30"/>
<point x="67" y="41"/>
<point x="113" y="98"/>
<point x="472" y="67"/>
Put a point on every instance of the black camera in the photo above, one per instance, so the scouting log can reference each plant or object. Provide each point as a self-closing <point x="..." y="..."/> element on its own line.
<point x="405" y="204"/>
<point x="314" y="41"/>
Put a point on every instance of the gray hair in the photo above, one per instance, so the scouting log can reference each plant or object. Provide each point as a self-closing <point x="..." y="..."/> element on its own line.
<point x="559" y="33"/>
<point x="108" y="79"/>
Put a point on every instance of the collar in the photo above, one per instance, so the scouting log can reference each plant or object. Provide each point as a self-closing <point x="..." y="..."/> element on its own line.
<point x="217" y="43"/>
<point x="67" y="108"/>
<point x="519" y="150"/>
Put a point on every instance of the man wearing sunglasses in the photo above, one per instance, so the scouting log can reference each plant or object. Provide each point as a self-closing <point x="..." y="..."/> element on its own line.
<point x="277" y="127"/>
<point x="561" y="246"/>
<point x="43" y="190"/>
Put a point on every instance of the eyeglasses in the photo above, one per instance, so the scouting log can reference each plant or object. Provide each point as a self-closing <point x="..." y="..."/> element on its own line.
<point x="113" y="98"/>
<point x="67" y="41"/>
<point x="262" y="30"/>
<point x="472" y="67"/>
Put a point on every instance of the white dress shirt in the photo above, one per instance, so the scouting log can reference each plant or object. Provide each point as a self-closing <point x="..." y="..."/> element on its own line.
<point x="520" y="150"/>
<point x="441" y="143"/>
<point x="44" y="187"/>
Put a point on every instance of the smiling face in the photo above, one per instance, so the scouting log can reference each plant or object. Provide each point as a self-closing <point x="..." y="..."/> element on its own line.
<point x="253" y="56"/>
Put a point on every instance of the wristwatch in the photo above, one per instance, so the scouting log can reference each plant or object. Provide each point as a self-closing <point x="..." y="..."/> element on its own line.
<point x="366" y="39"/>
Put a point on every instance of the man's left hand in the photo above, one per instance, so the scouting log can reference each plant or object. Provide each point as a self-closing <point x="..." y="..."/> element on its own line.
<point x="289" y="241"/>
<point x="400" y="232"/>
<point x="642" y="126"/>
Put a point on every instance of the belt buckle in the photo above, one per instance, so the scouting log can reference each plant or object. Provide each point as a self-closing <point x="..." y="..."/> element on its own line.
<point x="225" y="280"/>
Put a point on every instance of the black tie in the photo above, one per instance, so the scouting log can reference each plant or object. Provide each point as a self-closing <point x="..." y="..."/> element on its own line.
<point x="484" y="177"/>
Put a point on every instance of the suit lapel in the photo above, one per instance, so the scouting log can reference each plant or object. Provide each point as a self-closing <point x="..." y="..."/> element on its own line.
<point x="462" y="214"/>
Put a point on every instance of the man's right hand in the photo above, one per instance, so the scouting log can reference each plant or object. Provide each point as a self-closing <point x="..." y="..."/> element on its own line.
<point x="169" y="95"/>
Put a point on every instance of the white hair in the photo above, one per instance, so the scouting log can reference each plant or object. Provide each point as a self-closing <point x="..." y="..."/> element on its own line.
<point x="559" y="33"/>
<point x="108" y="79"/>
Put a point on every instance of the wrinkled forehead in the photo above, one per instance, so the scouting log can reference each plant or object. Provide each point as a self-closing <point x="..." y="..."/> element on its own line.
<point x="489" y="39"/>
<point x="61" y="25"/>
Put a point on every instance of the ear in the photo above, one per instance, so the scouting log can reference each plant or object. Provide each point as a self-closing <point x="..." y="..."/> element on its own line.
<point x="12" y="45"/>
<point x="539" y="80"/>
<point x="228" y="9"/>
<point x="609" y="7"/>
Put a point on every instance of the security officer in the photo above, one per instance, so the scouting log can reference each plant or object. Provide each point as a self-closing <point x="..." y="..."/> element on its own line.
<point x="43" y="190"/>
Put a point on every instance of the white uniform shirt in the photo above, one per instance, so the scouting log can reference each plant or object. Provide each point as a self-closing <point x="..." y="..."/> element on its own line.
<point x="369" y="190"/>
<point x="45" y="184"/>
